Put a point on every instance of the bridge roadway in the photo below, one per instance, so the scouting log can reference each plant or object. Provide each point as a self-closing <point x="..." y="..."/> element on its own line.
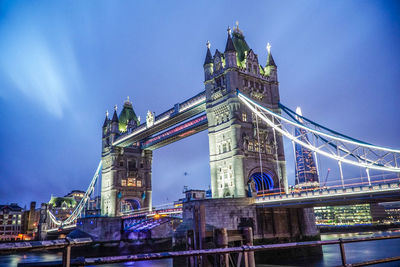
<point x="361" y="194"/>
<point x="179" y="113"/>
<point x="384" y="192"/>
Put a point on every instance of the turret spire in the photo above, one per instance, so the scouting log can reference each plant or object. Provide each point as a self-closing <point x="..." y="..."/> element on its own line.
<point x="229" y="43"/>
<point x="115" y="116"/>
<point x="270" y="59"/>
<point x="106" y="120"/>
<point x="208" y="59"/>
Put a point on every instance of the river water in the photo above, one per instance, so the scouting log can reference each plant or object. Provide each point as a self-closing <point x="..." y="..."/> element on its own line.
<point x="355" y="252"/>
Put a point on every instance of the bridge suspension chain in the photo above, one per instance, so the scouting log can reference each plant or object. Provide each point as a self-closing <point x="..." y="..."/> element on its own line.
<point x="78" y="209"/>
<point x="328" y="143"/>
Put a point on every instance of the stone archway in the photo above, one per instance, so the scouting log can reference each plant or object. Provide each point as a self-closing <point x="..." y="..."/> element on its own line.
<point x="130" y="204"/>
<point x="266" y="182"/>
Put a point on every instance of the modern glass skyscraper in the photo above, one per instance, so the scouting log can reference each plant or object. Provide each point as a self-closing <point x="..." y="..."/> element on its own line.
<point x="306" y="169"/>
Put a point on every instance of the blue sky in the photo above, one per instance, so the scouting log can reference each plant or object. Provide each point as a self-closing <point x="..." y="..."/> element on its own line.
<point x="64" y="63"/>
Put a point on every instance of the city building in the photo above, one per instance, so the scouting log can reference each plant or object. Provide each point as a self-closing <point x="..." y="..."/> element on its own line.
<point x="62" y="207"/>
<point x="11" y="222"/>
<point x="194" y="194"/>
<point x="343" y="215"/>
<point x="306" y="169"/>
<point x="392" y="211"/>
<point x="374" y="213"/>
<point x="30" y="222"/>
<point x="76" y="194"/>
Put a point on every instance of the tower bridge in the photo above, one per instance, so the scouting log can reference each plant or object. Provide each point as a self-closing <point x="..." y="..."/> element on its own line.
<point x="240" y="108"/>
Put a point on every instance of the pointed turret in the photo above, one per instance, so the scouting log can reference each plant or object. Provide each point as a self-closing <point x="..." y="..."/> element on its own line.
<point x="270" y="59"/>
<point x="114" y="124"/>
<point x="209" y="58"/>
<point x="208" y="63"/>
<point x="229" y="43"/>
<point x="271" y="68"/>
<point x="106" y="131"/>
<point x="115" y="116"/>
<point x="106" y="121"/>
<point x="230" y="52"/>
<point x="127" y="115"/>
<point x="240" y="44"/>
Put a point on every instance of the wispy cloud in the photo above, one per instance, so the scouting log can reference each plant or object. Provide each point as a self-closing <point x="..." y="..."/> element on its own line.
<point x="41" y="66"/>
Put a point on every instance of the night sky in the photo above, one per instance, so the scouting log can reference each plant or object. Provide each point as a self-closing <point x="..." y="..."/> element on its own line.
<point x="64" y="63"/>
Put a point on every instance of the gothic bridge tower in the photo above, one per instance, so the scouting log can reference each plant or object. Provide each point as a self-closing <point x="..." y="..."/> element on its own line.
<point x="239" y="154"/>
<point x="126" y="173"/>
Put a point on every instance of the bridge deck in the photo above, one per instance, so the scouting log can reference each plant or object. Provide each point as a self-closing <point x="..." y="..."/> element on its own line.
<point x="331" y="197"/>
<point x="173" y="116"/>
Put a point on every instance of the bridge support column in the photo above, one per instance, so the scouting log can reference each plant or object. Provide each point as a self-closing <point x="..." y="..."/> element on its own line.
<point x="222" y="242"/>
<point x="248" y="240"/>
<point x="43" y="222"/>
<point x="67" y="255"/>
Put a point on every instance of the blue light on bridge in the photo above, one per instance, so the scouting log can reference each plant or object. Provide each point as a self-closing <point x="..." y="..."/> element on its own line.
<point x="262" y="183"/>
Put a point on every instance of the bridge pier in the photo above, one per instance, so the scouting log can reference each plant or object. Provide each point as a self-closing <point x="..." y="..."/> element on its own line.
<point x="268" y="224"/>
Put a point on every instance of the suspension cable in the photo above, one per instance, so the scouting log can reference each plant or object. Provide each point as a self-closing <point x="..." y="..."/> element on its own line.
<point x="259" y="154"/>
<point x="251" y="104"/>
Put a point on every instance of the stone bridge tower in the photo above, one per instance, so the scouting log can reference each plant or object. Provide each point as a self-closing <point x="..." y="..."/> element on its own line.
<point x="235" y="145"/>
<point x="126" y="173"/>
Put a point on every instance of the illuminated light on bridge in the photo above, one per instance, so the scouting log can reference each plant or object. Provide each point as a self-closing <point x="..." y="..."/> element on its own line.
<point x="191" y="105"/>
<point x="386" y="159"/>
<point x="182" y="131"/>
<point x="187" y="133"/>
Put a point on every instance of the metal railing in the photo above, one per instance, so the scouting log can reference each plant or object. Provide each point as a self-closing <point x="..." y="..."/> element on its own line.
<point x="66" y="244"/>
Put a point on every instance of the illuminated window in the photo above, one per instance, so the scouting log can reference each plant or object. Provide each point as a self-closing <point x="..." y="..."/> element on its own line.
<point x="139" y="183"/>
<point x="250" y="147"/>
<point x="123" y="182"/>
<point x="244" y="116"/>
<point x="131" y="182"/>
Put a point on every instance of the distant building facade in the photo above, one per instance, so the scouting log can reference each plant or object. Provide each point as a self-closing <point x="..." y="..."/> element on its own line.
<point x="392" y="212"/>
<point x="10" y="222"/>
<point x="31" y="221"/>
<point x="343" y="215"/>
<point x="76" y="194"/>
<point x="62" y="207"/>
<point x="374" y="213"/>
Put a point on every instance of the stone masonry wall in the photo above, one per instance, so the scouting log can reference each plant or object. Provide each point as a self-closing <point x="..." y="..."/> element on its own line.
<point x="267" y="223"/>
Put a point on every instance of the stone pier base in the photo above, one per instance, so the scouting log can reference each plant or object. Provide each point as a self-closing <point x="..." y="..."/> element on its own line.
<point x="270" y="225"/>
<point x="101" y="228"/>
